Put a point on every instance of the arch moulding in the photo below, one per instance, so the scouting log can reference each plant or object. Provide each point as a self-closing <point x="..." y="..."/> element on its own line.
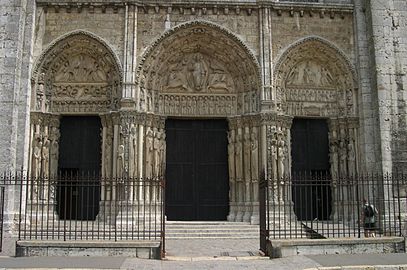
<point x="314" y="78"/>
<point x="198" y="68"/>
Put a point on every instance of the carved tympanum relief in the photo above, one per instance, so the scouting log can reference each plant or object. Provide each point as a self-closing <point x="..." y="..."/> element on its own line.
<point x="77" y="74"/>
<point x="197" y="72"/>
<point x="310" y="73"/>
<point x="198" y="69"/>
<point x="314" y="79"/>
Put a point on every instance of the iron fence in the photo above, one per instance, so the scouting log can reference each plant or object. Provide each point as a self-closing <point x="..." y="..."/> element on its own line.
<point x="2" y="192"/>
<point x="89" y="207"/>
<point x="316" y="205"/>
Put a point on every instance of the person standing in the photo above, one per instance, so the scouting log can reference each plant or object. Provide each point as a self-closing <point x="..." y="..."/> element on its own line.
<point x="369" y="218"/>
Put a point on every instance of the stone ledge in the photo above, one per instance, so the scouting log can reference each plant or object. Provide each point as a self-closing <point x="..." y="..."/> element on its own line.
<point x="362" y="267"/>
<point x="88" y="243"/>
<point x="139" y="248"/>
<point x="292" y="247"/>
<point x="337" y="241"/>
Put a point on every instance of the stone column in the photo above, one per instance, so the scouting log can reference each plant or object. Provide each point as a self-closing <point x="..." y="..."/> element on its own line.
<point x="239" y="173"/>
<point x="144" y="148"/>
<point x="129" y="56"/>
<point x="247" y="174"/>
<point x="116" y="140"/>
<point x="254" y="137"/>
<point x="44" y="165"/>
<point x="334" y="169"/>
<point x="232" y="177"/>
<point x="107" y="210"/>
<point x="278" y="138"/>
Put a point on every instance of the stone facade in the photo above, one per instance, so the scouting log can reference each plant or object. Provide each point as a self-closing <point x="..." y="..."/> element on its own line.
<point x="257" y="63"/>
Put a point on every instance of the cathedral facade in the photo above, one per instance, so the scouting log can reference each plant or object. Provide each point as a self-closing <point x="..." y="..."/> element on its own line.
<point x="210" y="94"/>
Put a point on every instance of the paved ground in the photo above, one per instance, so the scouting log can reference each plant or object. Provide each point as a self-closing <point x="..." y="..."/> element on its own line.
<point x="205" y="254"/>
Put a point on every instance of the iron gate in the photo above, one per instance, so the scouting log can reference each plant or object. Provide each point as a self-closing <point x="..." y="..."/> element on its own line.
<point x="315" y="205"/>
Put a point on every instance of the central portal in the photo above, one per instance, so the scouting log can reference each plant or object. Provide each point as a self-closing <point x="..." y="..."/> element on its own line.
<point x="197" y="181"/>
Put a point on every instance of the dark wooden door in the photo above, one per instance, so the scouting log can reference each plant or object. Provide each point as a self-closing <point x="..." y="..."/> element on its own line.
<point x="310" y="169"/>
<point x="78" y="191"/>
<point x="197" y="184"/>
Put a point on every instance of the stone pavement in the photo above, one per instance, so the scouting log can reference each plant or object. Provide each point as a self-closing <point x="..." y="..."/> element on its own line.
<point x="211" y="254"/>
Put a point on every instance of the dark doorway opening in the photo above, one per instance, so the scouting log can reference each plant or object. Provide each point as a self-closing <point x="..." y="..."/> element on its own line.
<point x="78" y="187"/>
<point x="311" y="190"/>
<point x="197" y="181"/>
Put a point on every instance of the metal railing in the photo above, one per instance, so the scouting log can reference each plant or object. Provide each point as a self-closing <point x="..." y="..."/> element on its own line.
<point x="316" y="205"/>
<point x="88" y="207"/>
<point x="2" y="192"/>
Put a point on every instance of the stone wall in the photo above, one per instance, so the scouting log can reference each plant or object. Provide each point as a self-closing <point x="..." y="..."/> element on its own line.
<point x="54" y="22"/>
<point x="15" y="52"/>
<point x="388" y="33"/>
<point x="153" y="22"/>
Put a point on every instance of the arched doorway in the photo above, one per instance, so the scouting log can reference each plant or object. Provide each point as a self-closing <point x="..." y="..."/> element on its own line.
<point x="315" y="86"/>
<point x="76" y="82"/>
<point x="200" y="74"/>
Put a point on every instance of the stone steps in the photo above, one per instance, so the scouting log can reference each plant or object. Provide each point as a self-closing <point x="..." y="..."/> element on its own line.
<point x="211" y="230"/>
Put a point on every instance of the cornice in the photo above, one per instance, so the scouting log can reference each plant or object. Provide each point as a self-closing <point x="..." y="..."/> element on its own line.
<point x="226" y="6"/>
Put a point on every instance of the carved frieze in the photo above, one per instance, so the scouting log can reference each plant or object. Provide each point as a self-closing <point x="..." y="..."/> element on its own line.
<point x="173" y="104"/>
<point x="85" y="91"/>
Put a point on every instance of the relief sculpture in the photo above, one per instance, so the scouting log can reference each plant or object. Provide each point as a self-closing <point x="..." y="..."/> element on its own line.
<point x="197" y="72"/>
<point x="310" y="73"/>
<point x="82" y="68"/>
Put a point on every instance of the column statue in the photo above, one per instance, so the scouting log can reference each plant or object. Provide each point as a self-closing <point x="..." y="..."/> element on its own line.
<point x="36" y="160"/>
<point x="343" y="159"/>
<point x="149" y="154"/>
<point x="120" y="162"/>
<point x="45" y="156"/>
<point x="231" y="161"/>
<point x="274" y="158"/>
<point x="255" y="163"/>
<point x="108" y="153"/>
<point x="239" y="176"/>
<point x="333" y="155"/>
<point x="163" y="149"/>
<point x="54" y="152"/>
<point x="133" y="151"/>
<point x="239" y="165"/>
<point x="351" y="158"/>
<point x="280" y="164"/>
<point x="156" y="153"/>
<point x="247" y="161"/>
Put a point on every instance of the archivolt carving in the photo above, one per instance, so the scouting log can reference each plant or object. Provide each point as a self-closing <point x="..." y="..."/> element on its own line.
<point x="313" y="78"/>
<point x="198" y="62"/>
<point x="78" y="73"/>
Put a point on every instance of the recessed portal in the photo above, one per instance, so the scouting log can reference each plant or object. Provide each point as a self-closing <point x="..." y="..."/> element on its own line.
<point x="310" y="167"/>
<point x="197" y="184"/>
<point x="78" y="189"/>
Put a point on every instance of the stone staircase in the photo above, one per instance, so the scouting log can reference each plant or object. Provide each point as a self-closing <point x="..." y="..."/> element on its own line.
<point x="211" y="230"/>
